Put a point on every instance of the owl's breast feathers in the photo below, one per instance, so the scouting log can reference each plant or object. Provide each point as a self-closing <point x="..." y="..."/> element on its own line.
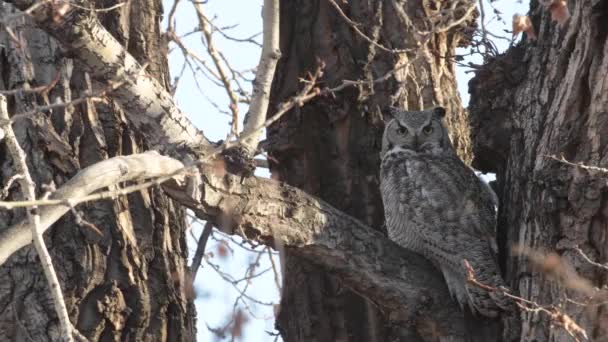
<point x="437" y="189"/>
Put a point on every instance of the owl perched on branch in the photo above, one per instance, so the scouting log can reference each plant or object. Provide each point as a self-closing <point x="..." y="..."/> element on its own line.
<point x="436" y="206"/>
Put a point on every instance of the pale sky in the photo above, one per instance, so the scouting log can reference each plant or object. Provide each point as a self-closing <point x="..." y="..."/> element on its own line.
<point x="215" y="296"/>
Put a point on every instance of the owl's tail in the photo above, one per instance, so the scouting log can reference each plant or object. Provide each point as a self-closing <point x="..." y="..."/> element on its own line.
<point x="488" y="303"/>
<point x="486" y="292"/>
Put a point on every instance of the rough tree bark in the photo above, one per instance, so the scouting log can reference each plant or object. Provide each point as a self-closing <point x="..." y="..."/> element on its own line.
<point x="544" y="98"/>
<point x="329" y="147"/>
<point x="127" y="283"/>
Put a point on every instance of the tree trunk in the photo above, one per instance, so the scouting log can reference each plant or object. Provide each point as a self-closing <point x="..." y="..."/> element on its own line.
<point x="330" y="147"/>
<point x="125" y="279"/>
<point x="541" y="99"/>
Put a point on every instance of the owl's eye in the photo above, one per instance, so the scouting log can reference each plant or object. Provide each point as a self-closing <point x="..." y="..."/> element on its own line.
<point x="428" y="129"/>
<point x="401" y="130"/>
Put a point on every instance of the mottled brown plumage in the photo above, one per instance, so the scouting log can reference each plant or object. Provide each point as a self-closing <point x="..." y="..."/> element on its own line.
<point x="435" y="205"/>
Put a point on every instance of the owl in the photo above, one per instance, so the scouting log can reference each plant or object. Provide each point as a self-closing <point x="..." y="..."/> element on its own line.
<point x="436" y="206"/>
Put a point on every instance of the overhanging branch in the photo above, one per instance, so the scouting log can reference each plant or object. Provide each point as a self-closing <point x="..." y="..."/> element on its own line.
<point x="103" y="174"/>
<point x="147" y="104"/>
<point x="264" y="75"/>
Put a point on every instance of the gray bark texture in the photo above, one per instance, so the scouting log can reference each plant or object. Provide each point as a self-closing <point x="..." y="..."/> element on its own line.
<point x="344" y="280"/>
<point x="330" y="146"/>
<point x="129" y="283"/>
<point x="550" y="98"/>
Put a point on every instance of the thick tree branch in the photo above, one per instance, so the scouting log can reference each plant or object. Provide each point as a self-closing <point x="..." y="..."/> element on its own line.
<point x="264" y="75"/>
<point x="147" y="104"/>
<point x="401" y="283"/>
<point x="95" y="177"/>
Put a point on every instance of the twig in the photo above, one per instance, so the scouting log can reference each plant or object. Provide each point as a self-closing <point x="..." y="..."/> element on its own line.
<point x="40" y="89"/>
<point x="98" y="96"/>
<point x="200" y="249"/>
<point x="587" y="259"/>
<point x="306" y="94"/>
<point x="563" y="160"/>
<point x="171" y="21"/>
<point x="556" y="316"/>
<point x="10" y="182"/>
<point x="28" y="189"/>
<point x="220" y="30"/>
<point x="234" y="284"/>
<point x="482" y="19"/>
<point x="275" y="271"/>
<point x="264" y="76"/>
<point x="110" y="194"/>
<point x="355" y="27"/>
<point x="215" y="57"/>
<point x="457" y="22"/>
<point x="114" y="170"/>
<point x="189" y="53"/>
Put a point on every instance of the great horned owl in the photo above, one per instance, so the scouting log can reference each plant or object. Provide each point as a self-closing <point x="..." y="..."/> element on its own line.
<point x="436" y="206"/>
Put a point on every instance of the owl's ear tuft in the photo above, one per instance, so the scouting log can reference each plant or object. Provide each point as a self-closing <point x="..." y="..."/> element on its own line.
<point x="439" y="111"/>
<point x="393" y="111"/>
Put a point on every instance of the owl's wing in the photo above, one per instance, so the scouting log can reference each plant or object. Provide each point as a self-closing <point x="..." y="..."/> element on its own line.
<point x="489" y="203"/>
<point x="454" y="214"/>
<point x="449" y="250"/>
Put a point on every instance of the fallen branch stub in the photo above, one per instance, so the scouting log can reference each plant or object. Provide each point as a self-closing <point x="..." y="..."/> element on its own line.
<point x="239" y="161"/>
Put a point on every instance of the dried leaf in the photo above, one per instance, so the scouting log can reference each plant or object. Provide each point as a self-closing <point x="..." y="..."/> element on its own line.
<point x="522" y="23"/>
<point x="222" y="249"/>
<point x="569" y="325"/>
<point x="218" y="167"/>
<point x="240" y="320"/>
<point x="559" y="11"/>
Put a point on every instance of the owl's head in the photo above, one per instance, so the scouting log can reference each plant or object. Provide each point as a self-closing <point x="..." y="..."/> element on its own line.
<point x="417" y="131"/>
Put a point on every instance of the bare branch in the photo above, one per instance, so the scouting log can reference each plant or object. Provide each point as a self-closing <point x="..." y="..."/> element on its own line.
<point x="556" y="315"/>
<point x="200" y="250"/>
<point x="88" y="96"/>
<point x="147" y="104"/>
<point x="203" y="22"/>
<point x="264" y="76"/>
<point x="11" y="181"/>
<point x="355" y="27"/>
<point x="275" y="272"/>
<point x="563" y="160"/>
<point x="28" y="189"/>
<point x="114" y="170"/>
<point x="588" y="259"/>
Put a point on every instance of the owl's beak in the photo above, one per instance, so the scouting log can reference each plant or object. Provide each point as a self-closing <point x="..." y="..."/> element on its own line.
<point x="416" y="143"/>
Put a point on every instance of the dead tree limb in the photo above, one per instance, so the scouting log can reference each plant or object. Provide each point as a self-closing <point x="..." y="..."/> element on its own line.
<point x="103" y="174"/>
<point x="147" y="104"/>
<point x="264" y="75"/>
